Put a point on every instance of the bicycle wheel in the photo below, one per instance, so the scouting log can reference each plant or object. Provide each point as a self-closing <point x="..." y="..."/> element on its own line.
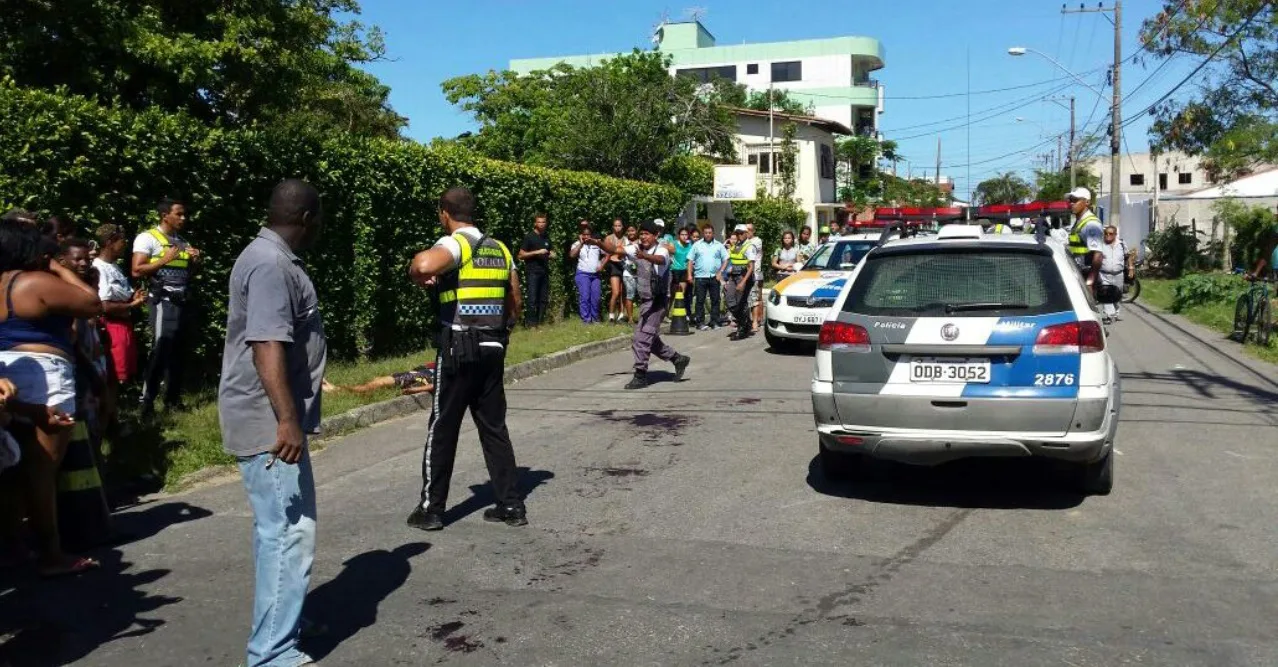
<point x="1264" y="323"/>
<point x="1242" y="318"/>
<point x="1133" y="291"/>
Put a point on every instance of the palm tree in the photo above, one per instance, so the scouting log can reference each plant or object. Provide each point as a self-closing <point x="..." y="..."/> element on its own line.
<point x="1006" y="188"/>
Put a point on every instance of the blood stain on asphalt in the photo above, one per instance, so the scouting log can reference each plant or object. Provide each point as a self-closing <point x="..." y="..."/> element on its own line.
<point x="748" y="401"/>
<point x="622" y="472"/>
<point x="438" y="601"/>
<point x="445" y="629"/>
<point x="446" y="632"/>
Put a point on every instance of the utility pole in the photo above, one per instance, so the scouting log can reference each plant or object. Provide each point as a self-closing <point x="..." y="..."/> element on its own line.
<point x="772" y="154"/>
<point x="1116" y="110"/>
<point x="1060" y="153"/>
<point x="938" y="160"/>
<point x="1072" y="179"/>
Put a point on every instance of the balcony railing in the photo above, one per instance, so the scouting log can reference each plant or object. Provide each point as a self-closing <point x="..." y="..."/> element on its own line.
<point x="867" y="83"/>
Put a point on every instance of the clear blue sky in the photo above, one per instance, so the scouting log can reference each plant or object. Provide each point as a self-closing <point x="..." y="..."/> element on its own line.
<point x="927" y="43"/>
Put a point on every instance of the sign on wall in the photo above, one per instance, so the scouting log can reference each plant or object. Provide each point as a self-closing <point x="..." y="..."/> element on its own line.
<point x="735" y="181"/>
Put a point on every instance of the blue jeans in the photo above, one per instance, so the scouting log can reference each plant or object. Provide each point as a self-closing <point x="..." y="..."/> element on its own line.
<point x="283" y="502"/>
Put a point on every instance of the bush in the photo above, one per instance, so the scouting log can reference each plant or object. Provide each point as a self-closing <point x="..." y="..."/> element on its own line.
<point x="1204" y="288"/>
<point x="1249" y="227"/>
<point x="68" y="155"/>
<point x="1176" y="250"/>
<point x="771" y="216"/>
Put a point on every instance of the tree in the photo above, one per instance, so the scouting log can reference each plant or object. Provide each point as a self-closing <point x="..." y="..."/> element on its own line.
<point x="250" y="61"/>
<point x="1232" y="119"/>
<point x="1054" y="185"/>
<point x="856" y="167"/>
<point x="787" y="162"/>
<point x="917" y="192"/>
<point x="625" y="117"/>
<point x="1006" y="188"/>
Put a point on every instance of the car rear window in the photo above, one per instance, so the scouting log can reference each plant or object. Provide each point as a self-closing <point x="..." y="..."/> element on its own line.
<point x="958" y="282"/>
<point x="839" y="256"/>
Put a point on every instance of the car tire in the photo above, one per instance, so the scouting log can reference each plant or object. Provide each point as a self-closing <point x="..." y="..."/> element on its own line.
<point x="840" y="466"/>
<point x="777" y="344"/>
<point x="1097" y="478"/>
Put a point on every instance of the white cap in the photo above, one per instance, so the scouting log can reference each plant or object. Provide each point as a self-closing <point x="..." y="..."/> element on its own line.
<point x="739" y="228"/>
<point x="659" y="222"/>
<point x="1080" y="193"/>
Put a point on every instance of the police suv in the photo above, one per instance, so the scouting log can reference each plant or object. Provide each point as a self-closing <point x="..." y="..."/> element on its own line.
<point x="962" y="345"/>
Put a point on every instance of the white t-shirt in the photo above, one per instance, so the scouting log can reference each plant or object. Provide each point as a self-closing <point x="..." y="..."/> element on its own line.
<point x="147" y="244"/>
<point x="632" y="250"/>
<point x="112" y="285"/>
<point x="755" y="244"/>
<point x="628" y="267"/>
<point x="454" y="248"/>
<point x="588" y="258"/>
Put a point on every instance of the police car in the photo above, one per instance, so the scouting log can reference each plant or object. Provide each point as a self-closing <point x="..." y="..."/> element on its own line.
<point x="963" y="345"/>
<point x="797" y="306"/>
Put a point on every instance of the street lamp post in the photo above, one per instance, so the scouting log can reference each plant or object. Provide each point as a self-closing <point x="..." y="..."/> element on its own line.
<point x="1115" y="157"/>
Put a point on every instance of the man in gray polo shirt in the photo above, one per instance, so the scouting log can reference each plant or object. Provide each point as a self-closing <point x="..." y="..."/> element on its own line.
<point x="268" y="400"/>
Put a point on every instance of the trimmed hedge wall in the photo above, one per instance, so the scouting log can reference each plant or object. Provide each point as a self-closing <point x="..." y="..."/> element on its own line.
<point x="69" y="155"/>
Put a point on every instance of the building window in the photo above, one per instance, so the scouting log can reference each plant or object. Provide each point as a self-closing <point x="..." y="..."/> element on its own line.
<point x="1162" y="181"/>
<point x="762" y="161"/>
<point x="708" y="74"/>
<point x="1185" y="178"/>
<point x="827" y="162"/>
<point x="752" y="68"/>
<point x="1137" y="179"/>
<point x="787" y="71"/>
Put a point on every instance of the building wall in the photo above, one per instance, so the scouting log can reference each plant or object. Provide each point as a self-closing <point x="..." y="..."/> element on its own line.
<point x="810" y="188"/>
<point x="1173" y="165"/>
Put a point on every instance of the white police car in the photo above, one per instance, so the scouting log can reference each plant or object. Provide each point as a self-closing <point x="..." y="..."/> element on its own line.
<point x="797" y="306"/>
<point x="965" y="345"/>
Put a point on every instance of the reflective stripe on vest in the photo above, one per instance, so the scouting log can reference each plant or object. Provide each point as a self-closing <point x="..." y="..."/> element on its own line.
<point x="998" y="229"/>
<point x="474" y="296"/>
<point x="736" y="256"/>
<point x="174" y="276"/>
<point x="1076" y="244"/>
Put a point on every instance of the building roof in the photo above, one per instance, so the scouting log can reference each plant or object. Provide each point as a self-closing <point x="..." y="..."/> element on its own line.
<point x="833" y="127"/>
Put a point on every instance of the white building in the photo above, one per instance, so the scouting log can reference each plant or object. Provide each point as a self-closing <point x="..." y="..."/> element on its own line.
<point x="832" y="74"/>
<point x="1175" y="173"/>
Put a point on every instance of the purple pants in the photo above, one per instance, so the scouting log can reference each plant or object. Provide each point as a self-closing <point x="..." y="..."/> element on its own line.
<point x="588" y="296"/>
<point x="648" y="336"/>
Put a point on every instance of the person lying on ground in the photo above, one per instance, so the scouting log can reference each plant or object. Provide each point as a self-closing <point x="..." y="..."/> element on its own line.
<point x="420" y="380"/>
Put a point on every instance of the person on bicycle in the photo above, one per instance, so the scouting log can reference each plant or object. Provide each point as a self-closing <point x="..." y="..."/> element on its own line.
<point x="1265" y="261"/>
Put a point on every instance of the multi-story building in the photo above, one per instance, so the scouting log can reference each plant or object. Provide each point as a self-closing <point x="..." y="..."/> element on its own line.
<point x="832" y="75"/>
<point x="1174" y="174"/>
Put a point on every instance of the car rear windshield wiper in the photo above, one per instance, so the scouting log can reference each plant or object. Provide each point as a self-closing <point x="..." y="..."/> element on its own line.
<point x="991" y="305"/>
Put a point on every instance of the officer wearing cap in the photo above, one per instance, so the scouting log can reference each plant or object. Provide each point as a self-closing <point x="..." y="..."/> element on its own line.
<point x="477" y="291"/>
<point x="652" y="275"/>
<point x="740" y="281"/>
<point x="1087" y="234"/>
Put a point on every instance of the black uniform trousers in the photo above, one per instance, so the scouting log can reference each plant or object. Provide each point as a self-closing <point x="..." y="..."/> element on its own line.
<point x="165" y="361"/>
<point x="538" y="298"/>
<point x="479" y="386"/>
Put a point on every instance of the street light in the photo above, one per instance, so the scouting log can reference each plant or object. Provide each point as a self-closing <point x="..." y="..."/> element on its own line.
<point x="1115" y="159"/>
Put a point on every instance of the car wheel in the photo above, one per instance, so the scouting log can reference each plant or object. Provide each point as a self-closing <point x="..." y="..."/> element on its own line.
<point x="1097" y="478"/>
<point x="839" y="466"/>
<point x="777" y="344"/>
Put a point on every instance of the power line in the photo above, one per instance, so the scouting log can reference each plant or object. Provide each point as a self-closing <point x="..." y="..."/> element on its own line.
<point x="973" y="122"/>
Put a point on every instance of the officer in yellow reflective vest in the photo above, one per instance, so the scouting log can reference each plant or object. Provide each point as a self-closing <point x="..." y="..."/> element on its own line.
<point x="477" y="290"/>
<point x="161" y="255"/>
<point x="740" y="280"/>
<point x="1087" y="234"/>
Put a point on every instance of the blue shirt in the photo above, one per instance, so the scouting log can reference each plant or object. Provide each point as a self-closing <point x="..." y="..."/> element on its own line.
<point x="707" y="258"/>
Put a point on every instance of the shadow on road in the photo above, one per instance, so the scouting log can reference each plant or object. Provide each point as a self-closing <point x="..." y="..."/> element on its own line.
<point x="1206" y="385"/>
<point x="969" y="483"/>
<point x="51" y="622"/>
<point x="348" y="603"/>
<point x="482" y="494"/>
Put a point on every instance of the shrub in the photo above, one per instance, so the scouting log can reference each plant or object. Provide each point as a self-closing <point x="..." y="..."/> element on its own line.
<point x="66" y="154"/>
<point x="771" y="216"/>
<point x="1203" y="288"/>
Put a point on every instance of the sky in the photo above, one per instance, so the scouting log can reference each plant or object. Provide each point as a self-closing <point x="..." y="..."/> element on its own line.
<point x="928" y="47"/>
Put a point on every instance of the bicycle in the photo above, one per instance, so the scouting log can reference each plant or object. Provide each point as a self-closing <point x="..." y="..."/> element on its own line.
<point x="1253" y="316"/>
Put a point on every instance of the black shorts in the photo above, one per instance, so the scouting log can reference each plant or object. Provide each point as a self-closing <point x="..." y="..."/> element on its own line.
<point x="616" y="269"/>
<point x="418" y="377"/>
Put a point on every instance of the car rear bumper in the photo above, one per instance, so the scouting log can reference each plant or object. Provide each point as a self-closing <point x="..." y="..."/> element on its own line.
<point x="780" y="318"/>
<point x="932" y="446"/>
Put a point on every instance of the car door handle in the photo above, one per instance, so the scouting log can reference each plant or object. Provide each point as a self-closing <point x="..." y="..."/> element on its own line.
<point x="949" y="404"/>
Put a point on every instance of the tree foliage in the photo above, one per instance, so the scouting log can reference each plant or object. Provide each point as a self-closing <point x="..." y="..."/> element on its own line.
<point x="915" y="192"/>
<point x="1232" y="117"/>
<point x="1054" y="185"/>
<point x="857" y="172"/>
<point x="96" y="164"/>
<point x="1005" y="188"/>
<point x="624" y="117"/>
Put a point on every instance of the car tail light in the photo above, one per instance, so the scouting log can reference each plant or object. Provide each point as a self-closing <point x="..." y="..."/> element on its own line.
<point x="843" y="337"/>
<point x="1070" y="338"/>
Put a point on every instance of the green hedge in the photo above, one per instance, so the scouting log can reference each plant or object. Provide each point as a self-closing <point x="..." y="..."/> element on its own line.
<point x="65" y="154"/>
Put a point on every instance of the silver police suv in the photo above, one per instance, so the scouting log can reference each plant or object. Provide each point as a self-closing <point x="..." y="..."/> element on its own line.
<point x="965" y="345"/>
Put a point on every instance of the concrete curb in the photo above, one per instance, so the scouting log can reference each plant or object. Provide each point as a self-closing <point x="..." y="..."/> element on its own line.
<point x="375" y="413"/>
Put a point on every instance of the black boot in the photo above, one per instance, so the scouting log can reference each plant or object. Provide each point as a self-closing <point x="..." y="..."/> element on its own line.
<point x="681" y="364"/>
<point x="515" y="515"/>
<point x="639" y="381"/>
<point x="426" y="519"/>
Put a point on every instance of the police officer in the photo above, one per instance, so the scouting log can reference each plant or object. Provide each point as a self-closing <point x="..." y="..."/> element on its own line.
<point x="1086" y="236"/>
<point x="739" y="283"/>
<point x="477" y="291"/>
<point x="652" y="275"/>
<point x="166" y="259"/>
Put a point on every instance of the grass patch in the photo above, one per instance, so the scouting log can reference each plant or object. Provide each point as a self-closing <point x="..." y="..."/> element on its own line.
<point x="1218" y="316"/>
<point x="175" y="445"/>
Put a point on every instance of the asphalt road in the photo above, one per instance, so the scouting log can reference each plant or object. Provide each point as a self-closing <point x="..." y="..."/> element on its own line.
<point x="689" y="525"/>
